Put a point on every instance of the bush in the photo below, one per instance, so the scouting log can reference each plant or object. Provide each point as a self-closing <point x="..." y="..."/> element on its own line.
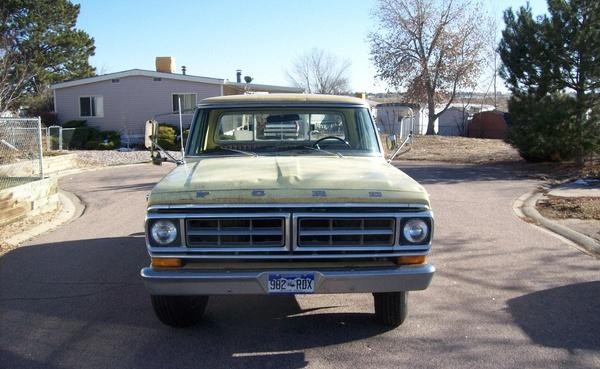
<point x="83" y="136"/>
<point x="174" y="127"/>
<point x="49" y="118"/>
<point x="544" y="129"/>
<point x="166" y="137"/>
<point x="109" y="140"/>
<point x="74" y="124"/>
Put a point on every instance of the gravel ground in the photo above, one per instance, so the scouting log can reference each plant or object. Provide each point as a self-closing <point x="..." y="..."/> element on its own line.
<point x="94" y="158"/>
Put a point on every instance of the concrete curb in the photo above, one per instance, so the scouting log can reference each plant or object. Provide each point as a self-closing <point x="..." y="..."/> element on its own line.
<point x="525" y="206"/>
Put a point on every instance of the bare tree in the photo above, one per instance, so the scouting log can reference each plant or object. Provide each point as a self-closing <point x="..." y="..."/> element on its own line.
<point x="431" y="48"/>
<point x="321" y="73"/>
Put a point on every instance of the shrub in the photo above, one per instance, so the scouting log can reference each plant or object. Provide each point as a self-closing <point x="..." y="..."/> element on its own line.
<point x="74" y="124"/>
<point x="544" y="129"/>
<point x="174" y="127"/>
<point x="83" y="136"/>
<point x="166" y="137"/>
<point x="186" y="133"/>
<point x="49" y="118"/>
<point x="108" y="140"/>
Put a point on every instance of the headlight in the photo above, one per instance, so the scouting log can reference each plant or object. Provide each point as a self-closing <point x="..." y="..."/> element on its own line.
<point x="163" y="232"/>
<point x="415" y="230"/>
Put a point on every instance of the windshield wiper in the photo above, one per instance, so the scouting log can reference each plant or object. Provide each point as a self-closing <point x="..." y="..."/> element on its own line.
<point x="238" y="151"/>
<point x="325" y="151"/>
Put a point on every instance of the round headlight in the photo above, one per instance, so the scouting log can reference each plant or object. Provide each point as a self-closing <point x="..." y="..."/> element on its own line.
<point x="415" y="230"/>
<point x="164" y="232"/>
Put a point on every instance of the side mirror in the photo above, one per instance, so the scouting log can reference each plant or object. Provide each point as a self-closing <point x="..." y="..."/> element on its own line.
<point x="150" y="132"/>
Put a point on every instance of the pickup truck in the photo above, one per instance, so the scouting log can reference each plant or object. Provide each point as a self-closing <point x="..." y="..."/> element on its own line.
<point x="285" y="194"/>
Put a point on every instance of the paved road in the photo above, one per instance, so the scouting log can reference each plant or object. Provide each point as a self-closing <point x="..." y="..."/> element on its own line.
<point x="506" y="294"/>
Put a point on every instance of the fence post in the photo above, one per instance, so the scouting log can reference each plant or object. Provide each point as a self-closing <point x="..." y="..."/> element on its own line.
<point x="40" y="147"/>
<point x="60" y="139"/>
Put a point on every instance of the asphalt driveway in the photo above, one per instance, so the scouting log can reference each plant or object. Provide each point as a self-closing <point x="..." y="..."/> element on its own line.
<point x="506" y="294"/>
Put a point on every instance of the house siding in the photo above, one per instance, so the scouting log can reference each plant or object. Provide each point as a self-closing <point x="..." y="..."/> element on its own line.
<point x="129" y="103"/>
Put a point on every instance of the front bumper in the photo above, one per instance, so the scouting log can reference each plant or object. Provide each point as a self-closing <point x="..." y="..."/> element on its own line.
<point x="193" y="282"/>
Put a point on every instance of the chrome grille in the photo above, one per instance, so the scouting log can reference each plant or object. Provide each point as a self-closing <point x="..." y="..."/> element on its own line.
<point x="236" y="232"/>
<point x="316" y="232"/>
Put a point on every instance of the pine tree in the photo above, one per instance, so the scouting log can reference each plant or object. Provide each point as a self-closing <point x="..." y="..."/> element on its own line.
<point x="553" y="62"/>
<point x="39" y="45"/>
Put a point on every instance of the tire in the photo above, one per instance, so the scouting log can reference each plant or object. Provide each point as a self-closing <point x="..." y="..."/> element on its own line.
<point x="179" y="311"/>
<point x="391" y="308"/>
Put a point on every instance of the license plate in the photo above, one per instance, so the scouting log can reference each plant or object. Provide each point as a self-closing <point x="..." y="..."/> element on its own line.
<point x="291" y="283"/>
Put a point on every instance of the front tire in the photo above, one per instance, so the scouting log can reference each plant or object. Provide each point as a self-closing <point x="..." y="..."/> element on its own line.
<point x="391" y="308"/>
<point x="179" y="311"/>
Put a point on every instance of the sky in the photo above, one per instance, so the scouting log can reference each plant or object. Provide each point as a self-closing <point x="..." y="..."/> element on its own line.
<point x="263" y="38"/>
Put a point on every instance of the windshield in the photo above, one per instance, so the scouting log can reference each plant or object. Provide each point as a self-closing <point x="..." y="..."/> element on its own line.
<point x="284" y="131"/>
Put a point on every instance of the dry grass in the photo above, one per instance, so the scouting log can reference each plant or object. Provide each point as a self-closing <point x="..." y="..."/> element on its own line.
<point x="466" y="150"/>
<point x="460" y="150"/>
<point x="570" y="208"/>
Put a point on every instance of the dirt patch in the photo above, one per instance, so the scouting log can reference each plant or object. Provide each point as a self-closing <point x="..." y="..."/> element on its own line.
<point x="570" y="207"/>
<point x="460" y="150"/>
<point x="465" y="150"/>
<point x="21" y="226"/>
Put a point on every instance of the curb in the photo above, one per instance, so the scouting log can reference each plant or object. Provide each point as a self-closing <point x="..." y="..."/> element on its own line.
<point x="525" y="206"/>
<point x="71" y="208"/>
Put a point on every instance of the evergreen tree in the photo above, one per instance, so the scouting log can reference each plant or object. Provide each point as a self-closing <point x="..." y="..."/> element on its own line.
<point x="39" y="45"/>
<point x="551" y="64"/>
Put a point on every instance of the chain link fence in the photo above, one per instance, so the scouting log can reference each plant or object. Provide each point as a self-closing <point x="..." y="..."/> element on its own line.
<point x="58" y="138"/>
<point x="21" y="154"/>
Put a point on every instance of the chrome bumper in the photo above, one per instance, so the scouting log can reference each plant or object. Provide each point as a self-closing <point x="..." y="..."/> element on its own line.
<point x="192" y="282"/>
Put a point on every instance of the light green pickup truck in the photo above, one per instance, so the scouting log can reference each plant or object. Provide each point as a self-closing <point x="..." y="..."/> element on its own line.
<point x="285" y="194"/>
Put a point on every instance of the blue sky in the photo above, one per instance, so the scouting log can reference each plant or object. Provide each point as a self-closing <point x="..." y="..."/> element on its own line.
<point x="261" y="37"/>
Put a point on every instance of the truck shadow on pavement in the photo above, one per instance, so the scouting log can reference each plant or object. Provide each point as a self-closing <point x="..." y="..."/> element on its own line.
<point x="562" y="317"/>
<point x="84" y="301"/>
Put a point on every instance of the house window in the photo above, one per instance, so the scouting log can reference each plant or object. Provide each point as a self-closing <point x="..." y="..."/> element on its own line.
<point x="188" y="103"/>
<point x="91" y="106"/>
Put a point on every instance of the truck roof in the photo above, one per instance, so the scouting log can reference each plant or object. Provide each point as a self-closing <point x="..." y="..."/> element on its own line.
<point x="282" y="98"/>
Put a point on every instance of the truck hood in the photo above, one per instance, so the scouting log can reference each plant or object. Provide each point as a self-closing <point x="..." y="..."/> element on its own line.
<point x="287" y="179"/>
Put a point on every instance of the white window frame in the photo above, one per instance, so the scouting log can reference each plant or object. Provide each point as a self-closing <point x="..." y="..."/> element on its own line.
<point x="184" y="93"/>
<point x="99" y="109"/>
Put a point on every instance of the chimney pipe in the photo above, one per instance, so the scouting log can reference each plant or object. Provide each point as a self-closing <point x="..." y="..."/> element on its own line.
<point x="238" y="75"/>
<point x="183" y="68"/>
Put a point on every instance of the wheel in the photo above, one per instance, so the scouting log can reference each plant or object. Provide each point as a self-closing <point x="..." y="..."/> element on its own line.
<point x="391" y="307"/>
<point x="317" y="142"/>
<point x="179" y="311"/>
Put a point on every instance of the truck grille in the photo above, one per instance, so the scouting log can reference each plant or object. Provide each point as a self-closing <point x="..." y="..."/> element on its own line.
<point x="291" y="233"/>
<point x="236" y="232"/>
<point x="341" y="232"/>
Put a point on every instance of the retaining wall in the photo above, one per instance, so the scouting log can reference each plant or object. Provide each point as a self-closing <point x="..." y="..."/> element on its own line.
<point x="29" y="199"/>
<point x="31" y="168"/>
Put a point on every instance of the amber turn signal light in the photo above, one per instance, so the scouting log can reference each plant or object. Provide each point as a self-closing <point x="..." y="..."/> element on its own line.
<point x="167" y="262"/>
<point x="410" y="260"/>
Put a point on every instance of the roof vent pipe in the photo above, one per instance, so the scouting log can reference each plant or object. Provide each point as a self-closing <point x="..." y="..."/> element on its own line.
<point x="183" y="69"/>
<point x="238" y="76"/>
